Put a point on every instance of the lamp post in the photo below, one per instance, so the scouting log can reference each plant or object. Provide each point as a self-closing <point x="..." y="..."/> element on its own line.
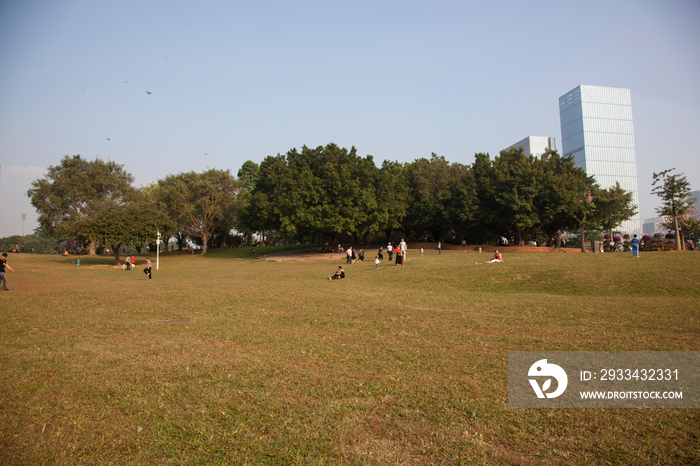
<point x="158" y="251"/>
<point x="24" y="217"/>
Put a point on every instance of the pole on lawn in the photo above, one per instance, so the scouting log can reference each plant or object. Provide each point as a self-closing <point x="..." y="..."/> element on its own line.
<point x="158" y="252"/>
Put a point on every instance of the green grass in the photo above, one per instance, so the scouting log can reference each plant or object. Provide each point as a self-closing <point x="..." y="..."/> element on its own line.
<point x="271" y="363"/>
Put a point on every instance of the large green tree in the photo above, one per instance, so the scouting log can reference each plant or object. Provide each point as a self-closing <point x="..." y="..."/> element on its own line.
<point x="74" y="194"/>
<point x="676" y="201"/>
<point x="614" y="205"/>
<point x="248" y="174"/>
<point x="508" y="189"/>
<point x="559" y="201"/>
<point x="168" y="201"/>
<point x="134" y="222"/>
<point x="202" y="202"/>
<point x="429" y="192"/>
<point x="327" y="190"/>
<point x="393" y="196"/>
<point x="442" y="199"/>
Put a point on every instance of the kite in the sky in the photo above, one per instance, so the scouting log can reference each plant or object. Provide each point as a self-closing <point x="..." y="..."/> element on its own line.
<point x="149" y="93"/>
<point x="109" y="139"/>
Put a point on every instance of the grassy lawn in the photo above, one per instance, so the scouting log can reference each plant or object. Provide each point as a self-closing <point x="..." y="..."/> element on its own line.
<point x="221" y="359"/>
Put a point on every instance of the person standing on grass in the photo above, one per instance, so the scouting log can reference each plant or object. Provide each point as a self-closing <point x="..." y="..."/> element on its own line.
<point x="3" y="266"/>
<point x="349" y="254"/>
<point x="635" y="246"/>
<point x="390" y="250"/>
<point x="439" y="248"/>
<point x="128" y="262"/>
<point x="380" y="255"/>
<point x="147" y="270"/>
<point x="376" y="263"/>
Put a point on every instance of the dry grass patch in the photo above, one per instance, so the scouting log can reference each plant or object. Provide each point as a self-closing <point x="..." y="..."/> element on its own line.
<point x="221" y="361"/>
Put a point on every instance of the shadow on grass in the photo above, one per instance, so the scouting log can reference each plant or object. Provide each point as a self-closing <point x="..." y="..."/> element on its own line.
<point x="246" y="253"/>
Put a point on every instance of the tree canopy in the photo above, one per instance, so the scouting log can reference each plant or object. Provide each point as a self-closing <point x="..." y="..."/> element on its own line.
<point x="74" y="194"/>
<point x="199" y="203"/>
<point x="328" y="190"/>
<point x="331" y="192"/>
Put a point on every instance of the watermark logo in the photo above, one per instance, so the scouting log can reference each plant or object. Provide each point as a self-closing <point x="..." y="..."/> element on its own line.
<point x="543" y="369"/>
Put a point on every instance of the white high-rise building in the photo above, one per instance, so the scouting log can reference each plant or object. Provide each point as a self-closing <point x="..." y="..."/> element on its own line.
<point x="597" y="129"/>
<point x="535" y="145"/>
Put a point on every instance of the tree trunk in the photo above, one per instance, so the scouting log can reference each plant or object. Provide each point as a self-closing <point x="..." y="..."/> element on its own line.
<point x="678" y="234"/>
<point x="91" y="249"/>
<point x="205" y="239"/>
<point x="583" y="234"/>
<point x="115" y="248"/>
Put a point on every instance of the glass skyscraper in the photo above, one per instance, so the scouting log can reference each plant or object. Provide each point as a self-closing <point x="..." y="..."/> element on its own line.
<point x="597" y="129"/>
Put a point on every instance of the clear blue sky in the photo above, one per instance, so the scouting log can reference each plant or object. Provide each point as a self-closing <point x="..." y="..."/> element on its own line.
<point x="398" y="80"/>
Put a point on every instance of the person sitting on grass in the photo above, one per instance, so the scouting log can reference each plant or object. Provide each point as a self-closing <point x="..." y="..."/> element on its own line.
<point x="340" y="273"/>
<point x="496" y="258"/>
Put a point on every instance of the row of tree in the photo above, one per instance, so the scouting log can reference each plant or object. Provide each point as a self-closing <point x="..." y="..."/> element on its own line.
<point x="326" y="194"/>
<point x="96" y="203"/>
<point x="330" y="192"/>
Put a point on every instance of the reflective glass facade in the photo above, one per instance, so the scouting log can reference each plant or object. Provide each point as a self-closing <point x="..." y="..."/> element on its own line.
<point x="597" y="129"/>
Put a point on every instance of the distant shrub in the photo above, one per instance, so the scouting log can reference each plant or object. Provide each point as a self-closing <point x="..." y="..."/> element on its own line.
<point x="39" y="244"/>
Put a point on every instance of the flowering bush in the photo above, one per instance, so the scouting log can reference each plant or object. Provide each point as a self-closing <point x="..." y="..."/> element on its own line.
<point x="72" y="245"/>
<point x="617" y="237"/>
<point x="653" y="242"/>
<point x="670" y="236"/>
<point x="606" y="236"/>
<point x="626" y="236"/>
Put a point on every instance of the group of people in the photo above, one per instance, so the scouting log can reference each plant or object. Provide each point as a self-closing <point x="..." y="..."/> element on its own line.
<point x="130" y="264"/>
<point x="398" y="250"/>
<point x="355" y="257"/>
